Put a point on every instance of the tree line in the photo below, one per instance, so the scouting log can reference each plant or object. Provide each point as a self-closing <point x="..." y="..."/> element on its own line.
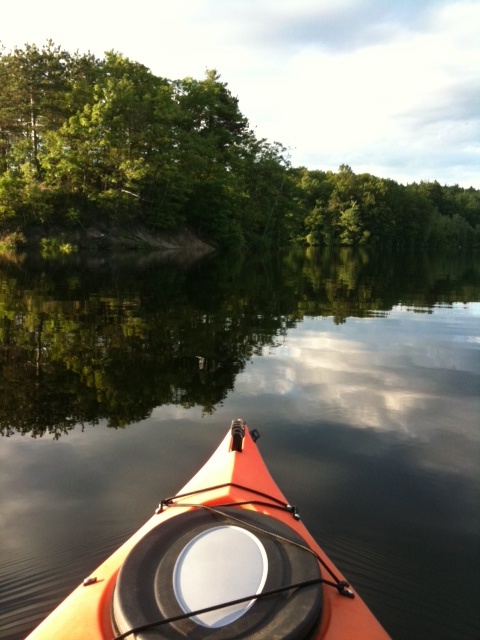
<point x="87" y="141"/>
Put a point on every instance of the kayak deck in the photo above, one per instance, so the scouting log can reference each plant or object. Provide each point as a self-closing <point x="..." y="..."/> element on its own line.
<point x="234" y="488"/>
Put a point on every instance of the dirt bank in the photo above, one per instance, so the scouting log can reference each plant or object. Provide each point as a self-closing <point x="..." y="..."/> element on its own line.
<point x="126" y="237"/>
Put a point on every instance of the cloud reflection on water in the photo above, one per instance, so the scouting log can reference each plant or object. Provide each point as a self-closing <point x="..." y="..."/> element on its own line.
<point x="383" y="374"/>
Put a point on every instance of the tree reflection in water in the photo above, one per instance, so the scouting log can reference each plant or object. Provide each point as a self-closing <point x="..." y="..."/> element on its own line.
<point x="84" y="340"/>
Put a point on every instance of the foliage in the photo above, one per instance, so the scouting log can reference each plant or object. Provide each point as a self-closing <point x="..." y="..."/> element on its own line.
<point x="349" y="209"/>
<point x="11" y="242"/>
<point x="87" y="141"/>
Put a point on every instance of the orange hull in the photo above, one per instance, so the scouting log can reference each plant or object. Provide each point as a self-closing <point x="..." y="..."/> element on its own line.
<point x="86" y="612"/>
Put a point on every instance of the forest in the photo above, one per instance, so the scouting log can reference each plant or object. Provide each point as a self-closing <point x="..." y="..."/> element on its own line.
<point x="89" y="142"/>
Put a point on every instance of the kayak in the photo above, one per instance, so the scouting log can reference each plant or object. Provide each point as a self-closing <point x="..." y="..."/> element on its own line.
<point x="227" y="557"/>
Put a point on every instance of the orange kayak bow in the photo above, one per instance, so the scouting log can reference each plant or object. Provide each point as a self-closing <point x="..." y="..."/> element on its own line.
<point x="226" y="558"/>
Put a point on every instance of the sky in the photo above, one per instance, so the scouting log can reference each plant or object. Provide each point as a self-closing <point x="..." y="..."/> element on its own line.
<point x="389" y="87"/>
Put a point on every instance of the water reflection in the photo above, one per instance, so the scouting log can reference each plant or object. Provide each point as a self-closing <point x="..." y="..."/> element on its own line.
<point x="361" y="372"/>
<point x="89" y="340"/>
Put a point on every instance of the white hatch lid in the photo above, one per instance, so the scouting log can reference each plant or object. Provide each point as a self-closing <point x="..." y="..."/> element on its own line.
<point x="219" y="565"/>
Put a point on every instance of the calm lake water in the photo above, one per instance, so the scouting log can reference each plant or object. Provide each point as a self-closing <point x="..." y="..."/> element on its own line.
<point x="118" y="378"/>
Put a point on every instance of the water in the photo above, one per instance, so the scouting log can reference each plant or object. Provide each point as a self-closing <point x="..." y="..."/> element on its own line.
<point x="362" y="373"/>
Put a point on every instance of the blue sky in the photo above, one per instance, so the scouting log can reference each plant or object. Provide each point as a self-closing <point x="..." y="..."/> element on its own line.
<point x="390" y="87"/>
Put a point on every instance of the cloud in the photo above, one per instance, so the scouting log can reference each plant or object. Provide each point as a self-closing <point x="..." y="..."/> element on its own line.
<point x="458" y="102"/>
<point x="332" y="25"/>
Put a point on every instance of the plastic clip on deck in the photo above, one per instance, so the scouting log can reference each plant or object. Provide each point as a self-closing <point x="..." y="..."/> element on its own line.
<point x="255" y="433"/>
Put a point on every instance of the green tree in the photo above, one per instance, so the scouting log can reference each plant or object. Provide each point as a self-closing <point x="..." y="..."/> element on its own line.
<point x="344" y="193"/>
<point x="268" y="208"/>
<point x="118" y="151"/>
<point x="214" y="143"/>
<point x="33" y="98"/>
<point x="350" y="224"/>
